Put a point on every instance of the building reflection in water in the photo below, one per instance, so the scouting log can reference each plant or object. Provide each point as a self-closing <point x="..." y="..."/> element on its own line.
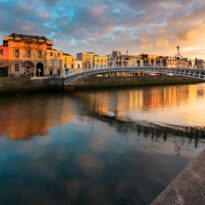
<point x="25" y="117"/>
<point x="144" y="100"/>
<point x="98" y="157"/>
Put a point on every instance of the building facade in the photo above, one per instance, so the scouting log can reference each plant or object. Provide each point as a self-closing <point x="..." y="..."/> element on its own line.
<point x="78" y="64"/>
<point x="68" y="63"/>
<point x="86" y="58"/>
<point x="100" y="62"/>
<point x="27" y="54"/>
<point x="4" y="61"/>
<point x="54" y="60"/>
<point x="91" y="60"/>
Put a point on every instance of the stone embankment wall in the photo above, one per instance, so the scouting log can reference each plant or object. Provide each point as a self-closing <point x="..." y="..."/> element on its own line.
<point x="22" y="84"/>
<point x="122" y="81"/>
<point x="189" y="186"/>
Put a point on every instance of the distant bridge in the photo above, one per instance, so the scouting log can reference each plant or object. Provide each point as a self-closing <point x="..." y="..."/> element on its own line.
<point x="192" y="73"/>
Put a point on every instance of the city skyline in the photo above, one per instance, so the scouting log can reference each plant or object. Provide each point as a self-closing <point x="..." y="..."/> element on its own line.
<point x="101" y="26"/>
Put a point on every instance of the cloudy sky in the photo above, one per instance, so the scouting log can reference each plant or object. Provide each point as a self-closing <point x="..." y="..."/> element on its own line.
<point x="139" y="26"/>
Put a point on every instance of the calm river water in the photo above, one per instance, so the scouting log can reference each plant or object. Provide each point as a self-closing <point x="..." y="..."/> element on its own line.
<point x="102" y="147"/>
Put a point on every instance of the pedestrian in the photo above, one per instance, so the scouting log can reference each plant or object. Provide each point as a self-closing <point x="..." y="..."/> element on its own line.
<point x="190" y="64"/>
<point x="196" y="63"/>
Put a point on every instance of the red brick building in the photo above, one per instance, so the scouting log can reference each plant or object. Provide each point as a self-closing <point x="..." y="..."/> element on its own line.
<point x="4" y="61"/>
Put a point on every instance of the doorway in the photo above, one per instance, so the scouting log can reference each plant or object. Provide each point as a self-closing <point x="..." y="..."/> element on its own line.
<point x="39" y="70"/>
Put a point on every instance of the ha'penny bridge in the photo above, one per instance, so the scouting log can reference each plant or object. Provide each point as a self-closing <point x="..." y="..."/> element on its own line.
<point x="184" y="72"/>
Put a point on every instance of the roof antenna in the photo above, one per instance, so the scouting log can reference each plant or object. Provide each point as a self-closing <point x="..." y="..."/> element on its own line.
<point x="178" y="54"/>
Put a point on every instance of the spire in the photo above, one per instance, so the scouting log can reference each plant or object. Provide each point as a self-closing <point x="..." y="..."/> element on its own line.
<point x="178" y="54"/>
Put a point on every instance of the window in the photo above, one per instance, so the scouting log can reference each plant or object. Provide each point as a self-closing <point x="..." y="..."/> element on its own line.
<point x="65" y="66"/>
<point x="65" y="59"/>
<point x="16" y="53"/>
<point x="39" y="54"/>
<point x="59" y="54"/>
<point x="51" y="53"/>
<point x="51" y="63"/>
<point x="1" y="62"/>
<point x="71" y="65"/>
<point x="78" y="65"/>
<point x="17" y="67"/>
<point x="29" y="53"/>
<point x="1" y="52"/>
<point x="59" y="63"/>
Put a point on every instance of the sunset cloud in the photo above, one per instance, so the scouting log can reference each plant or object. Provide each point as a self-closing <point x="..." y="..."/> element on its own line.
<point x="100" y="25"/>
<point x="164" y="43"/>
<point x="145" y="44"/>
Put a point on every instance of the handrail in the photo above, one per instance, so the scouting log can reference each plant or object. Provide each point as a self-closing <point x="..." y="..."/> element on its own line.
<point x="194" y="73"/>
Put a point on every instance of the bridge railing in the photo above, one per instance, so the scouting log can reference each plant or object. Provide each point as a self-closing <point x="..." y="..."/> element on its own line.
<point x="193" y="73"/>
<point x="124" y="66"/>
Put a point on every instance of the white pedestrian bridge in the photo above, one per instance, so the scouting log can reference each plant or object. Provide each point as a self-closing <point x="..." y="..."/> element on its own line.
<point x="187" y="72"/>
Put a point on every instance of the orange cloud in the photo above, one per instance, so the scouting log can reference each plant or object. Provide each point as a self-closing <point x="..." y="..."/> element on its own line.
<point x="189" y="36"/>
<point x="193" y="35"/>
<point x="145" y="45"/>
<point x="163" y="43"/>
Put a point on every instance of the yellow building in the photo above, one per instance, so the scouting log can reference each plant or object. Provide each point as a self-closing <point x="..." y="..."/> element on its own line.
<point x="86" y="58"/>
<point x="90" y="60"/>
<point x="100" y="61"/>
<point x="149" y="59"/>
<point x="131" y="60"/>
<point x="54" y="62"/>
<point x="68" y="62"/>
<point x="27" y="54"/>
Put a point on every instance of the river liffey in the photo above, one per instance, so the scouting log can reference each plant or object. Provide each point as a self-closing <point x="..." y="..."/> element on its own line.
<point x="102" y="147"/>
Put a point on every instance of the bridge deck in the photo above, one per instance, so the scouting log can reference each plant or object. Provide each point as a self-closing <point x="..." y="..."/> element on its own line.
<point x="192" y="73"/>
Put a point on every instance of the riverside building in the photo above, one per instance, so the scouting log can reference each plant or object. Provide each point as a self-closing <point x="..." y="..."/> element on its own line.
<point x="68" y="63"/>
<point x="3" y="61"/>
<point x="91" y="60"/>
<point x="30" y="55"/>
<point x="27" y="54"/>
<point x="54" y="61"/>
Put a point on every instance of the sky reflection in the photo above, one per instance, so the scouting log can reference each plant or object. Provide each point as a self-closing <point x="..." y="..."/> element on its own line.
<point x="90" y="148"/>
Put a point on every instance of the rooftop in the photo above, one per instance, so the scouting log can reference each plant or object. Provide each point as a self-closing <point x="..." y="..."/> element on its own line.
<point x="23" y="36"/>
<point x="66" y="54"/>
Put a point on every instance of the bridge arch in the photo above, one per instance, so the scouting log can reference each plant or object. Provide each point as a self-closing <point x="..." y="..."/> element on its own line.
<point x="192" y="73"/>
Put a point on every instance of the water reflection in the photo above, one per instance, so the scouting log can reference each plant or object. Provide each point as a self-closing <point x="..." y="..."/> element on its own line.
<point x="170" y="104"/>
<point x="154" y="131"/>
<point x="106" y="147"/>
<point x="142" y="99"/>
<point x="25" y="117"/>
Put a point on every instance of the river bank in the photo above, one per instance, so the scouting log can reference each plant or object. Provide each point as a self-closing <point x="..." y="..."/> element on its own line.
<point x="188" y="187"/>
<point x="12" y="85"/>
<point x="128" y="81"/>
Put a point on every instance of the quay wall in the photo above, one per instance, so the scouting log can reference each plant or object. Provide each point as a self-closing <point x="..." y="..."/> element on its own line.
<point x="95" y="82"/>
<point x="23" y="84"/>
<point x="189" y="186"/>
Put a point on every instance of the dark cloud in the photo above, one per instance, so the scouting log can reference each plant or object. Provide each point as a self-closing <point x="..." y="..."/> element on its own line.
<point x="101" y="25"/>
